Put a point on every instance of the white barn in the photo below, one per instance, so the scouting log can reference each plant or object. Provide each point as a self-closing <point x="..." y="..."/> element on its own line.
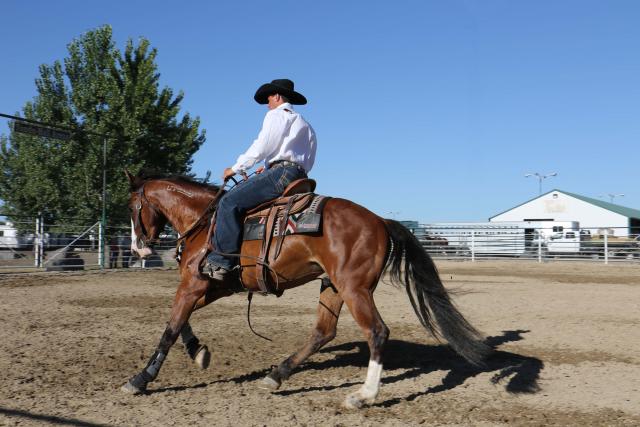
<point x="592" y="214"/>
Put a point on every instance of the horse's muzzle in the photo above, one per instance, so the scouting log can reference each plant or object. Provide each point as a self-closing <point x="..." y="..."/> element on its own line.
<point x="143" y="252"/>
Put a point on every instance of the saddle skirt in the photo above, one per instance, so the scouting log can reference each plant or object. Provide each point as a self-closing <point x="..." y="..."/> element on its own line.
<point x="304" y="215"/>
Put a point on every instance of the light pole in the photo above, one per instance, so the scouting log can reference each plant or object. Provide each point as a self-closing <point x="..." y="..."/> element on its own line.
<point x="393" y="214"/>
<point x="613" y="196"/>
<point x="540" y="178"/>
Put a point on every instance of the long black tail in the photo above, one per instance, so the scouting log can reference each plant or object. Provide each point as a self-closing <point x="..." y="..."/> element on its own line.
<point x="428" y="296"/>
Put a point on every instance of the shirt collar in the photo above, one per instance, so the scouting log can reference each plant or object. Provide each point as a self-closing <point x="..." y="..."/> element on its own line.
<point x="286" y="105"/>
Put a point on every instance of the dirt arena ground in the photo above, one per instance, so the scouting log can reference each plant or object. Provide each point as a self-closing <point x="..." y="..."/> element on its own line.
<point x="566" y="339"/>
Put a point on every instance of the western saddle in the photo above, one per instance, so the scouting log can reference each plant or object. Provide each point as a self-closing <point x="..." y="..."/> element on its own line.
<point x="295" y="198"/>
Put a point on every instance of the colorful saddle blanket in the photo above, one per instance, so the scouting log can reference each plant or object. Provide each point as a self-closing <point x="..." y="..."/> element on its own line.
<point x="303" y="220"/>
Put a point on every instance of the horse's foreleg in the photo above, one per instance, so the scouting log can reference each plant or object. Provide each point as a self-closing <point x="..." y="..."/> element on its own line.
<point x="200" y="353"/>
<point x="323" y="332"/>
<point x="188" y="294"/>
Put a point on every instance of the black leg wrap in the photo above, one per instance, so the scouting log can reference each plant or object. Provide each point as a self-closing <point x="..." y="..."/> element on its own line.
<point x="154" y="365"/>
<point x="140" y="381"/>
<point x="138" y="384"/>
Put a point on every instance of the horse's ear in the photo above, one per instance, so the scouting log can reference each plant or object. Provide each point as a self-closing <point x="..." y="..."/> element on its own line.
<point x="133" y="180"/>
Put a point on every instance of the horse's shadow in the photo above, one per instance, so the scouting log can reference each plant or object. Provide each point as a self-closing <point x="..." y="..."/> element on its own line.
<point x="413" y="360"/>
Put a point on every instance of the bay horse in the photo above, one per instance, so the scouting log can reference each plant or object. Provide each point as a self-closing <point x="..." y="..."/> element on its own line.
<point x="351" y="253"/>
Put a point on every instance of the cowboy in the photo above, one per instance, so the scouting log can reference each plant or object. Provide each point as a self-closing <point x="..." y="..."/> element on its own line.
<point x="287" y="146"/>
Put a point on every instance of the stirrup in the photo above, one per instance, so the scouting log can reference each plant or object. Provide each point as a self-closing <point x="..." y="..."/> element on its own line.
<point x="215" y="272"/>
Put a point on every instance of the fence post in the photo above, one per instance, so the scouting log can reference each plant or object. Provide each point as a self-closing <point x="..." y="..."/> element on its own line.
<point x="473" y="245"/>
<point x="36" y="243"/>
<point x="41" y="240"/>
<point x="101" y="243"/>
<point x="539" y="247"/>
<point x="606" y="247"/>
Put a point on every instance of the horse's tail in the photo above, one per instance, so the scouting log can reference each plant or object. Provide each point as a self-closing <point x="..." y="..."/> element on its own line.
<point x="428" y="296"/>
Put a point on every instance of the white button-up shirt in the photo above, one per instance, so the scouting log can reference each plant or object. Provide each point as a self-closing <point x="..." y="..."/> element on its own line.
<point x="285" y="135"/>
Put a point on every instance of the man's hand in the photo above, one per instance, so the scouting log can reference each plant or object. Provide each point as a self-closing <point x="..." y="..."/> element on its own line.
<point x="228" y="173"/>
<point x="260" y="170"/>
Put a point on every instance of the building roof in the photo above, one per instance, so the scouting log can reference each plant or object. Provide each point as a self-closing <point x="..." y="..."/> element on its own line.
<point x="622" y="210"/>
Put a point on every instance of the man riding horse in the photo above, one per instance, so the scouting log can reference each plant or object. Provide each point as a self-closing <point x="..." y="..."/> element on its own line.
<point x="287" y="145"/>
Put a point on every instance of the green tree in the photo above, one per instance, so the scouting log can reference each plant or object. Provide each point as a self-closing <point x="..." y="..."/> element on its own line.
<point x="97" y="89"/>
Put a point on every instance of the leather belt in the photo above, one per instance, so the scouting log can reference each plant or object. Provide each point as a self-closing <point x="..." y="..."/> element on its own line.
<point x="282" y="163"/>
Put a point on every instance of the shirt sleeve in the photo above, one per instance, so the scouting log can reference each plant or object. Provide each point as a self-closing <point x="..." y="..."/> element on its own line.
<point x="263" y="145"/>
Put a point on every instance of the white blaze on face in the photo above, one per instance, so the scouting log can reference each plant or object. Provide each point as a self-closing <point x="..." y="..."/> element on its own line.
<point x="142" y="253"/>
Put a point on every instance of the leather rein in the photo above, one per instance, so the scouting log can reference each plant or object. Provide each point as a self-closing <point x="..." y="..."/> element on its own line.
<point x="138" y="224"/>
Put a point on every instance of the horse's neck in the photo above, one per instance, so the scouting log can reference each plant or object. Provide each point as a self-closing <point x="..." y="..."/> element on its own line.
<point x="184" y="208"/>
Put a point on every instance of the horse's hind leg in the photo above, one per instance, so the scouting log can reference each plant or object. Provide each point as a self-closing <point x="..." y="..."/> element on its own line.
<point x="363" y="309"/>
<point x="323" y="332"/>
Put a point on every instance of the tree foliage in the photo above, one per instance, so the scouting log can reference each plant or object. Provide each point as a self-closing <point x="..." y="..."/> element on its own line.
<point x="97" y="89"/>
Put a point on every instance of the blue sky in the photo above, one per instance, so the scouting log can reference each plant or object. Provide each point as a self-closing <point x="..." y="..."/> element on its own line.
<point x="424" y="110"/>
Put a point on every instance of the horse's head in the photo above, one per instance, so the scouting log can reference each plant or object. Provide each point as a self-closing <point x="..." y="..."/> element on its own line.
<point x="147" y="221"/>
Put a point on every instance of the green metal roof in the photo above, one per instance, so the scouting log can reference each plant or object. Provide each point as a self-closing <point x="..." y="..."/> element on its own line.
<point x="622" y="210"/>
<point x="628" y="212"/>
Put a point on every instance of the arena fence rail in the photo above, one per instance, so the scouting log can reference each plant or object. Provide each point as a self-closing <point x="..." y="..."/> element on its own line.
<point x="31" y="244"/>
<point x="476" y="243"/>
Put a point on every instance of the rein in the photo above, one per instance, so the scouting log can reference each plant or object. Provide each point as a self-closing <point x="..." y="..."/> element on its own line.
<point x="210" y="208"/>
<point x="195" y="226"/>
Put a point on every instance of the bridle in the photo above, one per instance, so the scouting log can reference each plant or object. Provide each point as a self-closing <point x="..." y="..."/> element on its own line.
<point x="142" y="238"/>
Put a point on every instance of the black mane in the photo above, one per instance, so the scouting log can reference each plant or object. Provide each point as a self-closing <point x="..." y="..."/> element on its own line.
<point x="179" y="178"/>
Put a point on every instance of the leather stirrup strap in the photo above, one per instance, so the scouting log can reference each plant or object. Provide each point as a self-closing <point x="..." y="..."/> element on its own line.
<point x="208" y="245"/>
<point x="262" y="273"/>
<point x="283" y="225"/>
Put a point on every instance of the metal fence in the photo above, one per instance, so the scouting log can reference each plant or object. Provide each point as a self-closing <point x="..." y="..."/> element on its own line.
<point x="599" y="244"/>
<point x="30" y="244"/>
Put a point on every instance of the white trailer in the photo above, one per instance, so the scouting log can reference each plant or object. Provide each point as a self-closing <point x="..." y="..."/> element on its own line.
<point x="509" y="238"/>
<point x="9" y="238"/>
<point x="479" y="238"/>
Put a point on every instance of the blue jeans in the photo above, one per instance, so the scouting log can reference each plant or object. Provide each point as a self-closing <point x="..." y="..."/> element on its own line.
<point x="268" y="185"/>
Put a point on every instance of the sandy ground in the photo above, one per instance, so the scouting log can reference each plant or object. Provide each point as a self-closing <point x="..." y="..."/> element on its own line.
<point x="566" y="339"/>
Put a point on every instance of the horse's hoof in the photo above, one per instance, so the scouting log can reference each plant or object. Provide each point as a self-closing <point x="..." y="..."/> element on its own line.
<point x="131" y="389"/>
<point x="356" y="401"/>
<point x="269" y="383"/>
<point x="203" y="357"/>
<point x="352" y="402"/>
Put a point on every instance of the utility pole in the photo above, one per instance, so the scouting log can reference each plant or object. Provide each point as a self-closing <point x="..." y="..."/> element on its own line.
<point x="103" y="220"/>
<point x="55" y="131"/>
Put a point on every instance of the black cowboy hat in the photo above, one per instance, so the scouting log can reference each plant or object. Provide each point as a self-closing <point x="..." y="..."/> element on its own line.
<point x="283" y="87"/>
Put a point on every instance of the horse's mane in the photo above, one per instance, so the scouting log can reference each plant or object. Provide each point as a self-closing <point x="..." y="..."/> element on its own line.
<point x="144" y="177"/>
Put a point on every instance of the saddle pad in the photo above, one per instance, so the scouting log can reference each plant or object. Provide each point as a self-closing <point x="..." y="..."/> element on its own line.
<point x="307" y="221"/>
